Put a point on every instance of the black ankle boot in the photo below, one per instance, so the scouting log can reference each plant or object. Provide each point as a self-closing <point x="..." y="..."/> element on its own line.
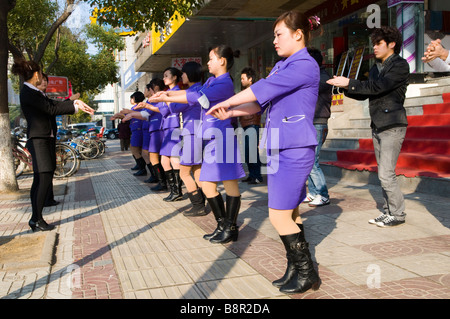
<point x="152" y="179"/>
<point x="198" y="204"/>
<point x="230" y="230"/>
<point x="304" y="275"/>
<point x="218" y="208"/>
<point x="161" y="176"/>
<point x="40" y="225"/>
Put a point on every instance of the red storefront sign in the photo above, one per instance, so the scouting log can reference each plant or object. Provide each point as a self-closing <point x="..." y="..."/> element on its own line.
<point x="58" y="86"/>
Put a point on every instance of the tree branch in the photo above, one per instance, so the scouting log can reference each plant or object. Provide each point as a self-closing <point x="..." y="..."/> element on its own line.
<point x="65" y="15"/>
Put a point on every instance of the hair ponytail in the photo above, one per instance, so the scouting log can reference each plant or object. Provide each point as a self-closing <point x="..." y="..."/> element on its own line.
<point x="224" y="51"/>
<point x="25" y="69"/>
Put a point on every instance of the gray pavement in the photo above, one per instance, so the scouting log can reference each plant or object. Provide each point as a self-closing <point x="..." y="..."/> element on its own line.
<point x="116" y="239"/>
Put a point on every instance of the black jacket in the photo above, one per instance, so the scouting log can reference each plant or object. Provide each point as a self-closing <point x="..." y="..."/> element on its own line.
<point x="40" y="112"/>
<point x="386" y="91"/>
<point x="323" y="105"/>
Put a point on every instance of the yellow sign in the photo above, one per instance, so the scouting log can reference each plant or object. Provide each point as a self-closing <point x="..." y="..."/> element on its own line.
<point x="338" y="99"/>
<point x="160" y="36"/>
<point x="122" y="30"/>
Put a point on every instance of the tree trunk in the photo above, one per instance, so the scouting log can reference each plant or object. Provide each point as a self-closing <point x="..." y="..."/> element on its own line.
<point x="8" y="182"/>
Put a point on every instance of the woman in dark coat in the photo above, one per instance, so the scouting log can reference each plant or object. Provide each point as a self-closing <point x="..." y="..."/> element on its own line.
<point x="39" y="111"/>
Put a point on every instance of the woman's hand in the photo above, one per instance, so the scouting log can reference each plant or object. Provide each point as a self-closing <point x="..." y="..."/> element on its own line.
<point x="141" y="106"/>
<point x="219" y="109"/>
<point x="158" y="97"/>
<point x="127" y="117"/>
<point x="84" y="107"/>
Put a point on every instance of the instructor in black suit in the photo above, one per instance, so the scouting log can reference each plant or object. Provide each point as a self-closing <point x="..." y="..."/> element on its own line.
<point x="39" y="111"/>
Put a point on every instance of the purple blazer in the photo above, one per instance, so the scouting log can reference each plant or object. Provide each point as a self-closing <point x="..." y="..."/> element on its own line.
<point x="214" y="91"/>
<point x="191" y="112"/>
<point x="135" y="124"/>
<point x="154" y="119"/>
<point x="289" y="95"/>
<point x="169" y="119"/>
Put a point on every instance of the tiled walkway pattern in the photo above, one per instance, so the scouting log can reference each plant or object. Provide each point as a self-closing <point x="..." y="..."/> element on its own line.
<point x="117" y="239"/>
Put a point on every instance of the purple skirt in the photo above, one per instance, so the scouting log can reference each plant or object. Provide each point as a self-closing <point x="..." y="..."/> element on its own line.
<point x="136" y="138"/>
<point x="155" y="141"/>
<point x="145" y="139"/>
<point x="171" y="143"/>
<point x="221" y="161"/>
<point x="287" y="173"/>
<point x="191" y="153"/>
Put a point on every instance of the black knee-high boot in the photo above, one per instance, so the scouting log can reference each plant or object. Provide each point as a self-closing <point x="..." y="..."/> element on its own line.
<point x="305" y="276"/>
<point x="230" y="230"/>
<point x="152" y="178"/>
<point x="290" y="269"/>
<point x="173" y="179"/>
<point x="136" y="167"/>
<point x="218" y="208"/>
<point x="160" y="174"/>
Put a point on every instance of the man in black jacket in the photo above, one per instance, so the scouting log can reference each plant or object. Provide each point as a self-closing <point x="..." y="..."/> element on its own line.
<point x="385" y="89"/>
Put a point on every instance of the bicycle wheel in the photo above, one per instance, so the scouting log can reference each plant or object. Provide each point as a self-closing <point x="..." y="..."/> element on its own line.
<point x="19" y="163"/>
<point x="101" y="148"/>
<point x="66" y="161"/>
<point x="88" y="149"/>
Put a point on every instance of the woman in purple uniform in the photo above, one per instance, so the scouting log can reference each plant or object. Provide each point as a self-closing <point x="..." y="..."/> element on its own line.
<point x="136" y="134"/>
<point x="191" y="152"/>
<point x="144" y="112"/>
<point x="289" y="96"/>
<point x="221" y="160"/>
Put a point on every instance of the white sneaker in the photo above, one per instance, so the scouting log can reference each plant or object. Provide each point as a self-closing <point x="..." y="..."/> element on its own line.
<point x="309" y="198"/>
<point x="319" y="201"/>
<point x="379" y="219"/>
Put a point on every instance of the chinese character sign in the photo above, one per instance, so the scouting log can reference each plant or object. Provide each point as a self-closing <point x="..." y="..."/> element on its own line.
<point x="179" y="62"/>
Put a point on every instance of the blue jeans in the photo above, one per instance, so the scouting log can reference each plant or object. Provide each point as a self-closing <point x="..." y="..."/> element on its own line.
<point x="317" y="184"/>
<point x="253" y="162"/>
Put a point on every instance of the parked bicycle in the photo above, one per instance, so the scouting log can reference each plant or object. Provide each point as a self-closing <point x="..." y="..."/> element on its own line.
<point x="67" y="159"/>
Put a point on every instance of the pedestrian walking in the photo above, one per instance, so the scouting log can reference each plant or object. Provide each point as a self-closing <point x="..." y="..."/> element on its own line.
<point x="385" y="89"/>
<point x="39" y="111"/>
<point x="221" y="160"/>
<point x="317" y="185"/>
<point x="289" y="96"/>
<point x="124" y="135"/>
<point x="251" y="124"/>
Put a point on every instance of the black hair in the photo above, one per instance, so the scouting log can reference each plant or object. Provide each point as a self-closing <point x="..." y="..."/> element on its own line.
<point x="138" y="96"/>
<point x="175" y="72"/>
<point x="25" y="69"/>
<point x="156" y="82"/>
<point x="193" y="71"/>
<point x="224" y="51"/>
<point x="250" y="73"/>
<point x="316" y="54"/>
<point x="389" y="35"/>
<point x="295" y="20"/>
